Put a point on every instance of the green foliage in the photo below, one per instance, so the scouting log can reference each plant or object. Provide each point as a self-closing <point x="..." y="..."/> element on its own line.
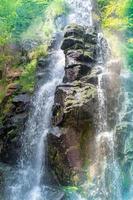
<point x="2" y="89"/>
<point x="41" y="50"/>
<point x="71" y="189"/>
<point x="23" y="20"/>
<point x="44" y="26"/>
<point x="129" y="34"/>
<point x="26" y="12"/>
<point x="113" y="14"/>
<point x="117" y="16"/>
<point x="27" y="79"/>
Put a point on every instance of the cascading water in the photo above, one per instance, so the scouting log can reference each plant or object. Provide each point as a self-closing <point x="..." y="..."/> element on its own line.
<point x="80" y="12"/>
<point x="107" y="183"/>
<point x="27" y="183"/>
<point x="125" y="125"/>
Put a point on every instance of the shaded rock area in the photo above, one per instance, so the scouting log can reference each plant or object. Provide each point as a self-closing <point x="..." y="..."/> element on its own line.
<point x="71" y="149"/>
<point x="13" y="123"/>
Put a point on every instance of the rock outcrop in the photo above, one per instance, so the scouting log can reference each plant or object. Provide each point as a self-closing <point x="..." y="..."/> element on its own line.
<point x="13" y="123"/>
<point x="75" y="108"/>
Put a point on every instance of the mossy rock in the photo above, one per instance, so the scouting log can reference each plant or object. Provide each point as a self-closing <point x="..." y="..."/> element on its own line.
<point x="74" y="30"/>
<point x="79" y="102"/>
<point x="72" y="43"/>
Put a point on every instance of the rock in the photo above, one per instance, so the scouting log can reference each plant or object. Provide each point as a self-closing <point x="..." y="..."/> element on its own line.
<point x="74" y="103"/>
<point x="92" y="77"/>
<point x="22" y="98"/>
<point x="63" y="160"/>
<point x="67" y="155"/>
<point x="13" y="124"/>
<point x="72" y="43"/>
<point x="74" y="112"/>
<point x="78" y="57"/>
<point x="42" y="62"/>
<point x="75" y="73"/>
<point x="128" y="150"/>
<point x="74" y="30"/>
<point x="91" y="36"/>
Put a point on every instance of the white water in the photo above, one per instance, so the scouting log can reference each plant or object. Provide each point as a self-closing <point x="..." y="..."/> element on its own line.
<point x="80" y="12"/>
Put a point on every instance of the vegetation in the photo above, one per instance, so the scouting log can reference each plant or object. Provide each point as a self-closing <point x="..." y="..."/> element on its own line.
<point x="117" y="17"/>
<point x="20" y="21"/>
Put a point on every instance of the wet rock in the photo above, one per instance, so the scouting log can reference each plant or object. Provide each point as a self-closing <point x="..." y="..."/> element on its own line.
<point x="72" y="43"/>
<point x="83" y="40"/>
<point x="77" y="102"/>
<point x="91" y="36"/>
<point x="22" y="98"/>
<point x="75" y="73"/>
<point x="67" y="153"/>
<point x="75" y="109"/>
<point x="74" y="30"/>
<point x="128" y="150"/>
<point x="92" y="77"/>
<point x="42" y="62"/>
<point x="13" y="124"/>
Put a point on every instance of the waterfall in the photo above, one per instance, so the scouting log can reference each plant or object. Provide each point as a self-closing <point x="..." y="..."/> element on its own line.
<point x="107" y="183"/>
<point x="81" y="12"/>
<point x="31" y="167"/>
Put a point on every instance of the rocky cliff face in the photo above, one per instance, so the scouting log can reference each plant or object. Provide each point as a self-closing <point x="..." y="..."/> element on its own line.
<point x="16" y="105"/>
<point x="75" y="107"/>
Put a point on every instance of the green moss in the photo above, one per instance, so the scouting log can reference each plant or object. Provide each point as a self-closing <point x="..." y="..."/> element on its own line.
<point x="39" y="51"/>
<point x="27" y="79"/>
<point x="89" y="54"/>
<point x="68" y="189"/>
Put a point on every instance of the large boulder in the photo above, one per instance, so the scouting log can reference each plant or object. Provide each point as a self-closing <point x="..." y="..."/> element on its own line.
<point x="74" y="103"/>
